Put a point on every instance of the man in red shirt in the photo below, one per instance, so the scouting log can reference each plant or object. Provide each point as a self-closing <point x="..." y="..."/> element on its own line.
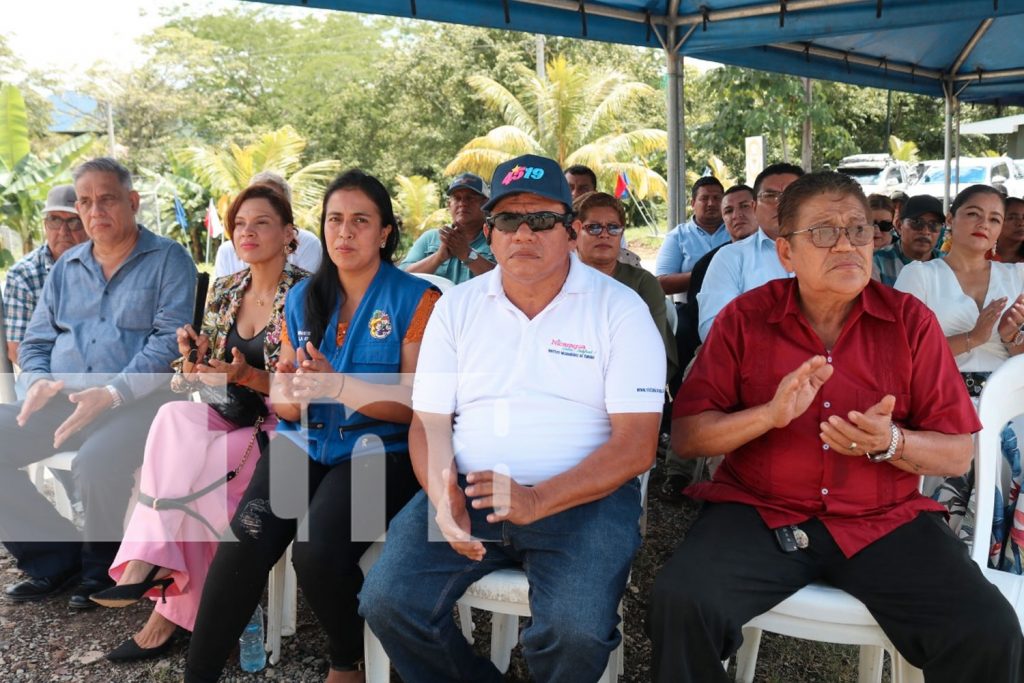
<point x="824" y="450"/>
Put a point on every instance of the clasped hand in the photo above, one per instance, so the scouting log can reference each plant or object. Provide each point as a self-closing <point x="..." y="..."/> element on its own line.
<point x="310" y="377"/>
<point x="89" y="404"/>
<point x="509" y="500"/>
<point x="859" y="433"/>
<point x="454" y="242"/>
<point x="210" y="371"/>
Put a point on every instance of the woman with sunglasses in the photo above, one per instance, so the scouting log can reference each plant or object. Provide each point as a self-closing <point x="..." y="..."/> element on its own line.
<point x="881" y="215"/>
<point x="350" y="330"/>
<point x="191" y="446"/>
<point x="599" y="225"/>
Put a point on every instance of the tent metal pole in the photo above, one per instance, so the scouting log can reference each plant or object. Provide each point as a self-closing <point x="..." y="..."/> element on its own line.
<point x="676" y="157"/>
<point x="675" y="154"/>
<point x="971" y="44"/>
<point x="948" y="146"/>
<point x="956" y="141"/>
<point x="979" y="76"/>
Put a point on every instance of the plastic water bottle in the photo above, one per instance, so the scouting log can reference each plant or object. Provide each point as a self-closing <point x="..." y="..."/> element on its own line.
<point x="252" y="656"/>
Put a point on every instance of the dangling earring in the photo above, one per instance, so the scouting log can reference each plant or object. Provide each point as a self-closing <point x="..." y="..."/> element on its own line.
<point x="995" y="247"/>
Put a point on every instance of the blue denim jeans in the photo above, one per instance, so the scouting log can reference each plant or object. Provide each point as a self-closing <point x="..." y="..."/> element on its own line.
<point x="577" y="563"/>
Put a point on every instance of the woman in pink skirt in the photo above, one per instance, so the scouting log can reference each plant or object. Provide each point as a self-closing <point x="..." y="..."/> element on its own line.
<point x="198" y="463"/>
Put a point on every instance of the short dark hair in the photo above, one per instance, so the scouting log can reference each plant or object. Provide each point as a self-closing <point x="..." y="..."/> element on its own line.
<point x="1013" y="200"/>
<point x="595" y="200"/>
<point x="881" y="203"/>
<point x="781" y="168"/>
<point x="969" y="192"/>
<point x="282" y="207"/>
<point x="704" y="181"/>
<point x="812" y="185"/>
<point x="739" y="187"/>
<point x="104" y="165"/>
<point x="580" y="169"/>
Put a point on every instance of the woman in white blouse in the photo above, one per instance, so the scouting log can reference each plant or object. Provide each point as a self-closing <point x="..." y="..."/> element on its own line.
<point x="979" y="303"/>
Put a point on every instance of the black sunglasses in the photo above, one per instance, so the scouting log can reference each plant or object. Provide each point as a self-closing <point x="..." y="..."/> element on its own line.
<point x="595" y="229"/>
<point x="884" y="226"/>
<point x="538" y="221"/>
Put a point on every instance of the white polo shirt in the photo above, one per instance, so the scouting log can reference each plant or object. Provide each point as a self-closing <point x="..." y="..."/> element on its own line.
<point x="535" y="395"/>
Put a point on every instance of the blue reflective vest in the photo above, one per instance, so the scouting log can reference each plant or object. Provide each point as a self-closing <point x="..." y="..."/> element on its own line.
<point x="372" y="345"/>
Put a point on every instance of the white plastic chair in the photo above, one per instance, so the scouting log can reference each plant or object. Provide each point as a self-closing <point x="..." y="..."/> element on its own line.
<point x="671" y="314"/>
<point x="824" y="613"/>
<point x="506" y="594"/>
<point x="282" y="599"/>
<point x="1002" y="400"/>
<point x="442" y="283"/>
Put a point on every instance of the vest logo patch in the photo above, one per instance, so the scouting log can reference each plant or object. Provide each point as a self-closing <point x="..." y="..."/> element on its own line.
<point x="380" y="325"/>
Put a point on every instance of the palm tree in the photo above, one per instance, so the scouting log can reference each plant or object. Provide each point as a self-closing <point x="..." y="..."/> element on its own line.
<point x="228" y="171"/>
<point x="578" y="121"/>
<point x="25" y="178"/>
<point x="416" y="200"/>
<point x="903" y="151"/>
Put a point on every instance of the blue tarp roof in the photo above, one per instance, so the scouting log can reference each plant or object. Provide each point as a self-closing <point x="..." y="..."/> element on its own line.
<point x="910" y="45"/>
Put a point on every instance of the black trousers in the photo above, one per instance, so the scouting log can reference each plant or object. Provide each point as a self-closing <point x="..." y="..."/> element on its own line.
<point x="326" y="565"/>
<point x="109" y="452"/>
<point x="918" y="582"/>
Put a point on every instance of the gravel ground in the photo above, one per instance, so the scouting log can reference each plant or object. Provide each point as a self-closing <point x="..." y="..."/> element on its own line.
<point x="46" y="641"/>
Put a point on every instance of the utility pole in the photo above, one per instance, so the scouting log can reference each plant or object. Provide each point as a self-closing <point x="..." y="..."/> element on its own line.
<point x="807" y="141"/>
<point x="110" y="128"/>
<point x="888" y="121"/>
<point x="542" y="75"/>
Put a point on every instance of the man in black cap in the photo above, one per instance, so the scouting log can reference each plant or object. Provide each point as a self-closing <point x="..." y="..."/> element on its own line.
<point x="919" y="226"/>
<point x="63" y="230"/>
<point x="538" y="395"/>
<point x="457" y="251"/>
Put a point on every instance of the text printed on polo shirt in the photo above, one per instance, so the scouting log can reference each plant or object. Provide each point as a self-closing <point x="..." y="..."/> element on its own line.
<point x="561" y="348"/>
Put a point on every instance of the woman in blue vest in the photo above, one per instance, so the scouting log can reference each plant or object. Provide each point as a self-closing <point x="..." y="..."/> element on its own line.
<point x="350" y="329"/>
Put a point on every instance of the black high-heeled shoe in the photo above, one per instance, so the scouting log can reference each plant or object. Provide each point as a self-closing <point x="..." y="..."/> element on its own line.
<point x="130" y="651"/>
<point x="130" y="593"/>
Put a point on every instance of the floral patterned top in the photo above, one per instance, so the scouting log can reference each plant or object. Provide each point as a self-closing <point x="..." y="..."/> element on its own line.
<point x="222" y="308"/>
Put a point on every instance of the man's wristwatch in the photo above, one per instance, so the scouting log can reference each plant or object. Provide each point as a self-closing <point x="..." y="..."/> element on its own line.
<point x="473" y="256"/>
<point x="894" y="443"/>
<point x="115" y="396"/>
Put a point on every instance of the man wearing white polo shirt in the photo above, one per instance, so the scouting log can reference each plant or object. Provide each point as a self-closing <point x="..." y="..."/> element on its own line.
<point x="537" y="400"/>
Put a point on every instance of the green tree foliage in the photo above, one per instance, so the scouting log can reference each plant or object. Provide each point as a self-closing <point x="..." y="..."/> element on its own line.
<point x="32" y="85"/>
<point x="572" y="115"/>
<point x="227" y="171"/>
<point x="417" y="202"/>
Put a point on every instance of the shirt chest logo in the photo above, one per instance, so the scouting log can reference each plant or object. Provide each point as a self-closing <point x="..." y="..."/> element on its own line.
<point x="380" y="325"/>
<point x="570" y="349"/>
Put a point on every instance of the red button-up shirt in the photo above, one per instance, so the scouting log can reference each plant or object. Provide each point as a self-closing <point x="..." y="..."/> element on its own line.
<point x="890" y="344"/>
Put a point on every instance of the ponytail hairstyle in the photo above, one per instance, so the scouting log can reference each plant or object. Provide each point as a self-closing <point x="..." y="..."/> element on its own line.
<point x="325" y="292"/>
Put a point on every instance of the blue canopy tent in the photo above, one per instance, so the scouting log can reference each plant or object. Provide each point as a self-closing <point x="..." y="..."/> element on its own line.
<point x="960" y="50"/>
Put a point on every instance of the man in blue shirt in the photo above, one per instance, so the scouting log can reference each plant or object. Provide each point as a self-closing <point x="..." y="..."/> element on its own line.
<point x="457" y="251"/>
<point x="686" y="243"/>
<point x="751" y="262"/>
<point x="92" y="360"/>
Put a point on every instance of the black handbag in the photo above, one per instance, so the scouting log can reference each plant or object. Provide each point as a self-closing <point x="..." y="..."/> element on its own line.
<point x="241" y="406"/>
